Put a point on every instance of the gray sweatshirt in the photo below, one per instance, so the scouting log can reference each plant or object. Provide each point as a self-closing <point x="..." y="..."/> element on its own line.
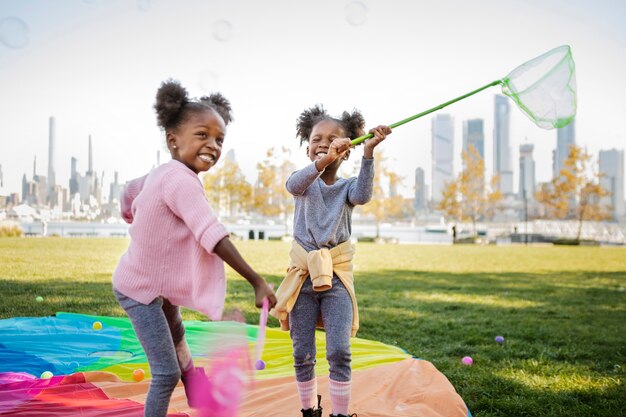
<point x="323" y="213"/>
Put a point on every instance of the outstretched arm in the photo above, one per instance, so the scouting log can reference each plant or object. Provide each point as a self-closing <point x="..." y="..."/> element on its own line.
<point x="229" y="254"/>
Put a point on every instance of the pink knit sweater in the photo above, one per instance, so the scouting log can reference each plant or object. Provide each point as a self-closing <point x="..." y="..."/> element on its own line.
<point x="173" y="234"/>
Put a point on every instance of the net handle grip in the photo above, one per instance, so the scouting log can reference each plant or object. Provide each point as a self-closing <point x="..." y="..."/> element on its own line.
<point x="424" y="113"/>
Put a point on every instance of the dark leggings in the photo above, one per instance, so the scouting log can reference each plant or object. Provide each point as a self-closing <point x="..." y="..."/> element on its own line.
<point x="335" y="306"/>
<point x="159" y="328"/>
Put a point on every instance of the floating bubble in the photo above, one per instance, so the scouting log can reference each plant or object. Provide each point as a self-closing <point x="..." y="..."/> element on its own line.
<point x="222" y="30"/>
<point x="144" y="5"/>
<point x="209" y="81"/>
<point x="356" y="13"/>
<point x="13" y="32"/>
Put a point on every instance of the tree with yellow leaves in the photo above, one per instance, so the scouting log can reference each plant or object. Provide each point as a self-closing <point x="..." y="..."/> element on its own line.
<point x="227" y="190"/>
<point x="271" y="198"/>
<point x="467" y="198"/>
<point x="576" y="193"/>
<point x="385" y="206"/>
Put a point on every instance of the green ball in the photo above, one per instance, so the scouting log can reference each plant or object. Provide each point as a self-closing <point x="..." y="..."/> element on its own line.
<point x="39" y="298"/>
<point x="46" y="375"/>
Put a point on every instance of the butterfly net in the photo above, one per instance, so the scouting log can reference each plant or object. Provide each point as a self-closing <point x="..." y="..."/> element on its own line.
<point x="545" y="88"/>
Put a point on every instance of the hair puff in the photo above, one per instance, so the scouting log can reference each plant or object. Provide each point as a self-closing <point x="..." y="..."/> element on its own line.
<point x="352" y="123"/>
<point x="171" y="98"/>
<point x="220" y="104"/>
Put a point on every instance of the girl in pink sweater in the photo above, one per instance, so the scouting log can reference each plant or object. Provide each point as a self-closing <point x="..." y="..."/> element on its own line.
<point x="178" y="247"/>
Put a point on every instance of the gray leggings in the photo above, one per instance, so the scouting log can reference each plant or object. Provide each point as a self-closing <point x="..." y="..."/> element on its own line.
<point x="335" y="306"/>
<point x="159" y="328"/>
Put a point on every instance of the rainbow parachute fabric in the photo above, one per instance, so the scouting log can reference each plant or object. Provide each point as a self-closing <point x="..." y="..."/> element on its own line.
<point x="93" y="372"/>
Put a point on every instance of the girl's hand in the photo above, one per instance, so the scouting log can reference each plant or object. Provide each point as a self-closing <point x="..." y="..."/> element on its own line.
<point x="380" y="133"/>
<point x="262" y="291"/>
<point x="338" y="148"/>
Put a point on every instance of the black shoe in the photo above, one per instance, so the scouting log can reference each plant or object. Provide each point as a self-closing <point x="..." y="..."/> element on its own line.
<point x="317" y="412"/>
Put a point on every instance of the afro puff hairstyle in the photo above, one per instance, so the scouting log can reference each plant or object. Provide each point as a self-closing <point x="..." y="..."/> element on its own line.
<point x="352" y="123"/>
<point x="173" y="105"/>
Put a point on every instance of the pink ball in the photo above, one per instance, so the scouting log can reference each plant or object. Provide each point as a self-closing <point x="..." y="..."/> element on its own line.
<point x="467" y="360"/>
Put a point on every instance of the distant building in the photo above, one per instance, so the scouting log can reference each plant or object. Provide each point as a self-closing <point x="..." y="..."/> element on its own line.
<point x="565" y="137"/>
<point x="51" y="165"/>
<point x="501" y="147"/>
<point x="473" y="134"/>
<point x="74" y="176"/>
<point x="526" y="172"/>
<point x="611" y="165"/>
<point x="115" y="189"/>
<point x="420" y="196"/>
<point x="442" y="151"/>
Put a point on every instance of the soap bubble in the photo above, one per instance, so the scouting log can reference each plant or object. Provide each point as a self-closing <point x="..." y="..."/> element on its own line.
<point x="209" y="81"/>
<point x="13" y="32"/>
<point x="222" y="30"/>
<point x="356" y="13"/>
<point x="144" y="5"/>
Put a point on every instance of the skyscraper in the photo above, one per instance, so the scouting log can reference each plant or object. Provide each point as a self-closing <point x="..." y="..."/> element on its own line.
<point x="501" y="148"/>
<point x="611" y="164"/>
<point x="74" y="177"/>
<point x="51" y="166"/>
<point x="526" y="172"/>
<point x="419" y="203"/>
<point x="473" y="134"/>
<point x="442" y="153"/>
<point x="565" y="137"/>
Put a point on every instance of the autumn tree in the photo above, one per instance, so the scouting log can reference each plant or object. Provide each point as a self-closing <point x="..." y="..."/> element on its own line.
<point x="271" y="198"/>
<point x="227" y="190"/>
<point x="386" y="206"/>
<point x="467" y="198"/>
<point x="576" y="192"/>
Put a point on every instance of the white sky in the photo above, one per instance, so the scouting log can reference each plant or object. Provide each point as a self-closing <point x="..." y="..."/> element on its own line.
<point x="95" y="65"/>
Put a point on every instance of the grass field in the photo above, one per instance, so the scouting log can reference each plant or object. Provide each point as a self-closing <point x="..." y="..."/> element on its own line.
<point x="562" y="311"/>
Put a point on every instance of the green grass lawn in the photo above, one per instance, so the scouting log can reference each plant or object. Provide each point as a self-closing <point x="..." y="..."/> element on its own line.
<point x="562" y="311"/>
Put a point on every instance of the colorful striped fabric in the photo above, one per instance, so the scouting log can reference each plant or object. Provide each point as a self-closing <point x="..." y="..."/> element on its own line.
<point x="93" y="372"/>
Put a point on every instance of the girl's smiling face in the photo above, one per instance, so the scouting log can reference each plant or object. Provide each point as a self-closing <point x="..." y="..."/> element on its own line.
<point x="198" y="141"/>
<point x="322" y="135"/>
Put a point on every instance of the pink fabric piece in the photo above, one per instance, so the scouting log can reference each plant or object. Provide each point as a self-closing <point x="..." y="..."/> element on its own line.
<point x="173" y="234"/>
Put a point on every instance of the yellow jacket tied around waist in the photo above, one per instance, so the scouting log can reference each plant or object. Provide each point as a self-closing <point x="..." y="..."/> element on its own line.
<point x="320" y="265"/>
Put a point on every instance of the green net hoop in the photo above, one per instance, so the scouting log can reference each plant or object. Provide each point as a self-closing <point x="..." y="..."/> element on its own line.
<point x="544" y="88"/>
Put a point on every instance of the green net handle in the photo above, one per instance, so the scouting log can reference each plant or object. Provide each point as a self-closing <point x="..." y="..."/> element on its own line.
<point x="424" y="113"/>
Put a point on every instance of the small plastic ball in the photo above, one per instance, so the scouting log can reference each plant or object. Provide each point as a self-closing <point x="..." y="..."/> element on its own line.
<point x="467" y="360"/>
<point x="499" y="339"/>
<point x="259" y="365"/>
<point x="39" y="298"/>
<point x="46" y="375"/>
<point x="96" y="325"/>
<point x="138" y="374"/>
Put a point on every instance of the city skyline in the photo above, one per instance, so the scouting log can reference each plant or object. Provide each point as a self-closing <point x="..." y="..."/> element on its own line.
<point x="71" y="65"/>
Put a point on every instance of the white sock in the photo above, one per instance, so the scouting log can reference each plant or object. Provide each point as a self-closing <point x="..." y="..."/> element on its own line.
<point x="340" y="396"/>
<point x="308" y="393"/>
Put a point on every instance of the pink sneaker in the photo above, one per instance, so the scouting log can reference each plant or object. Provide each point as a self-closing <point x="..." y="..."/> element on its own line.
<point x="197" y="385"/>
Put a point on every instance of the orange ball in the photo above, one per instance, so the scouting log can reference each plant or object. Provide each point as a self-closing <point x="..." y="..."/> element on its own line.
<point x="138" y="374"/>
